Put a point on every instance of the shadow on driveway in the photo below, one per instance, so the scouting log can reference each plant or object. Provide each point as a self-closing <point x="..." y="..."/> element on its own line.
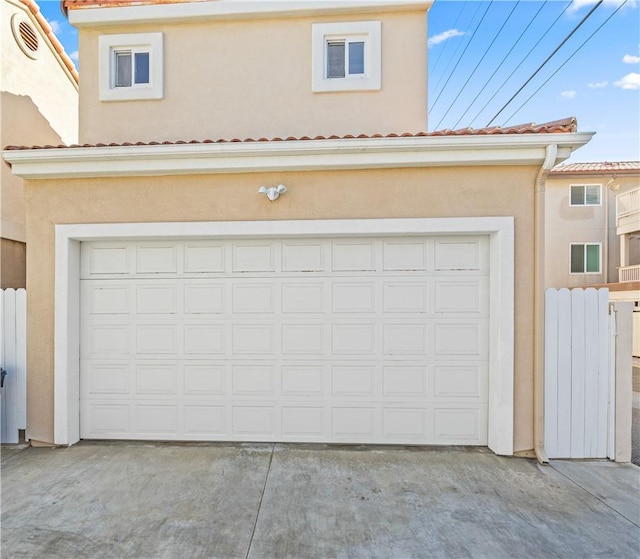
<point x="242" y="500"/>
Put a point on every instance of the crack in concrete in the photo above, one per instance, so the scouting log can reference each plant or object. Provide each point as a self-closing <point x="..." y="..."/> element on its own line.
<point x="264" y="487"/>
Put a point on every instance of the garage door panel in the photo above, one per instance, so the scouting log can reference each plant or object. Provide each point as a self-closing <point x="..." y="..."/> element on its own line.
<point x="299" y="297"/>
<point x="204" y="379"/>
<point x="405" y="297"/>
<point x="111" y="340"/>
<point x="202" y="298"/>
<point x="154" y="298"/>
<point x="406" y="255"/>
<point x="205" y="339"/>
<point x="354" y="256"/>
<point x="326" y="340"/>
<point x="304" y="256"/>
<point x="204" y="257"/>
<point x="303" y="339"/>
<point x="157" y="339"/>
<point x="253" y="257"/>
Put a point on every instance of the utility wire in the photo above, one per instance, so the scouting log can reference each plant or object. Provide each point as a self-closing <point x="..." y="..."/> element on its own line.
<point x="567" y="60"/>
<point x="462" y="55"/>
<point x="441" y="51"/>
<point x="499" y="89"/>
<point x="435" y="86"/>
<point x="476" y="68"/>
<point x="500" y="66"/>
<point x="547" y="60"/>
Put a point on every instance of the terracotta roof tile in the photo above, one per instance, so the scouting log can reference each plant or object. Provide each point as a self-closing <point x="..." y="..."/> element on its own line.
<point x="79" y="4"/>
<point x="46" y="28"/>
<point x="567" y="125"/>
<point x="598" y="168"/>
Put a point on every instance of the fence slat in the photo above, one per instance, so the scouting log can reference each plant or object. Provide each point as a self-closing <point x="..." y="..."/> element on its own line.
<point x="10" y="416"/>
<point x="21" y="356"/>
<point x="602" y="411"/>
<point x="551" y="373"/>
<point x="564" y="373"/>
<point x="592" y="349"/>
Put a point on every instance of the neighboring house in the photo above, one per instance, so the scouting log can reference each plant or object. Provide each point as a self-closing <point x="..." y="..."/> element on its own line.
<point x="392" y="294"/>
<point x="593" y="224"/>
<point x="38" y="105"/>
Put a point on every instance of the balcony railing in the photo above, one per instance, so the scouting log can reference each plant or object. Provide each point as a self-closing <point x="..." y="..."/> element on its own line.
<point x="627" y="204"/>
<point x="629" y="273"/>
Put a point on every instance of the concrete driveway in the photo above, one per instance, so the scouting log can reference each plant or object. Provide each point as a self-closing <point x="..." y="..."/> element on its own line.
<point x="216" y="500"/>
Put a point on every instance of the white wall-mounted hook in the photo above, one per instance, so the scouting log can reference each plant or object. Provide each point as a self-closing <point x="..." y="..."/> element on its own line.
<point x="273" y="192"/>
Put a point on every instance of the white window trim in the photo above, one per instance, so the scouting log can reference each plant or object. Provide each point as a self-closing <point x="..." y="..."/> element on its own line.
<point x="368" y="31"/>
<point x="585" y="205"/>
<point x="136" y="42"/>
<point x="501" y="285"/>
<point x="585" y="244"/>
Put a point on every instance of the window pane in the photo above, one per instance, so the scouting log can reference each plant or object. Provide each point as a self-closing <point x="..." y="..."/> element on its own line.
<point x="356" y="58"/>
<point x="123" y="69"/>
<point x="577" y="195"/>
<point x="592" y="195"/>
<point x="593" y="258"/>
<point x="577" y="259"/>
<point x="335" y="59"/>
<point x="142" y="67"/>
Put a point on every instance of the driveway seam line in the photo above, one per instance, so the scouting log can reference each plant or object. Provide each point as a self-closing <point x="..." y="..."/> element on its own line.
<point x="264" y="487"/>
<point x="596" y="497"/>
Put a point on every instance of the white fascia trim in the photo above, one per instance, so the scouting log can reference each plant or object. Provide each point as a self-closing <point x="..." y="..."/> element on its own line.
<point x="236" y="10"/>
<point x="297" y="155"/>
<point x="501" y="339"/>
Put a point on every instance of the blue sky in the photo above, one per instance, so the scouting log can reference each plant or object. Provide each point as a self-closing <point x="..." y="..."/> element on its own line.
<point x="482" y="52"/>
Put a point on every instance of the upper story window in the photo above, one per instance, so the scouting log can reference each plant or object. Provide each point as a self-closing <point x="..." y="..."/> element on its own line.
<point x="585" y="258"/>
<point x="346" y="56"/>
<point x="131" y="67"/>
<point x="585" y="194"/>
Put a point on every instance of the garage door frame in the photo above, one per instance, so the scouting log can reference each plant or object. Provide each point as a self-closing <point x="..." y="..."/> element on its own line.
<point x="501" y="294"/>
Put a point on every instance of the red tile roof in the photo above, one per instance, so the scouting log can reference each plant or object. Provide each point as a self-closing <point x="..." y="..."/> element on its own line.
<point x="564" y="126"/>
<point x="605" y="167"/>
<point x="75" y="4"/>
<point x="46" y="28"/>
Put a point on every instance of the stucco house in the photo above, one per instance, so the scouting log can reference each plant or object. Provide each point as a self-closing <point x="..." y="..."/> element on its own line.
<point x="255" y="241"/>
<point x="593" y="224"/>
<point x="38" y="105"/>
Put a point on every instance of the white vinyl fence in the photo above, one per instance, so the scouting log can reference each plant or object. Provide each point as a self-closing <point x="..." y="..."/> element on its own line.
<point x="13" y="360"/>
<point x="578" y="374"/>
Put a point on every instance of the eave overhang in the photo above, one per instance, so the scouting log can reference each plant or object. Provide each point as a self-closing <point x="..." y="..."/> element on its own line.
<point x="180" y="12"/>
<point x="295" y="155"/>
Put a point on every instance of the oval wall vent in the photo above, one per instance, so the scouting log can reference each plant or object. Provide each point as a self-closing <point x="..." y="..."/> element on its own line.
<point x="25" y="35"/>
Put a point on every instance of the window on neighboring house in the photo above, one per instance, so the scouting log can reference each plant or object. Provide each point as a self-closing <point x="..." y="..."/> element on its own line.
<point x="131" y="67"/>
<point x="585" y="258"/>
<point x="585" y="194"/>
<point x="346" y="56"/>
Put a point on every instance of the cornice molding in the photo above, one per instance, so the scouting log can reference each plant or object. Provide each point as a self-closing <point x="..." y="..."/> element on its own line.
<point x="234" y="10"/>
<point x="296" y="155"/>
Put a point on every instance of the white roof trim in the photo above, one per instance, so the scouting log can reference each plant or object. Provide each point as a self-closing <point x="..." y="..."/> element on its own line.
<point x="235" y="9"/>
<point x="295" y="155"/>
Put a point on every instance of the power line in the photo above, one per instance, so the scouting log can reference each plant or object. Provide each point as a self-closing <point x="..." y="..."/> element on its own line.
<point x="455" y="26"/>
<point x="444" y="73"/>
<point x="476" y="68"/>
<point x="504" y="59"/>
<point x="567" y="60"/>
<point x="547" y="60"/>
<point x="462" y="55"/>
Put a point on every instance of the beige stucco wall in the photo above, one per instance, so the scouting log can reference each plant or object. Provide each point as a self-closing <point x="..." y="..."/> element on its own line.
<point x="436" y="192"/>
<point x="38" y="106"/>
<point x="253" y="79"/>
<point x="44" y="79"/>
<point x="567" y="224"/>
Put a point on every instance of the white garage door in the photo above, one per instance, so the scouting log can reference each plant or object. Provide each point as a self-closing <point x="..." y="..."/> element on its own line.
<point x="347" y="340"/>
